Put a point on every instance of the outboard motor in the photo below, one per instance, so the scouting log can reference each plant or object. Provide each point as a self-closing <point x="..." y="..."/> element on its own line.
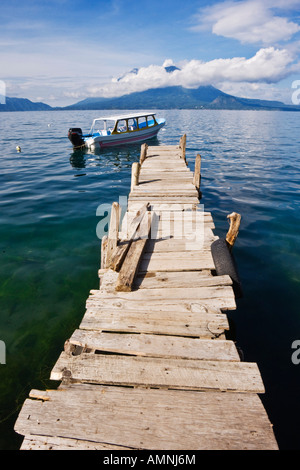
<point x="75" y="136"/>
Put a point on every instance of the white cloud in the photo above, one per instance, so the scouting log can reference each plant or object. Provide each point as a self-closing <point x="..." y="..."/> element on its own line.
<point x="249" y="21"/>
<point x="257" y="91"/>
<point x="268" y="65"/>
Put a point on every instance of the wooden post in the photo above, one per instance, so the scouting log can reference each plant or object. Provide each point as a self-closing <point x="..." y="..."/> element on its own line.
<point x="113" y="232"/>
<point x="197" y="172"/>
<point x="235" y="220"/>
<point x="135" y="173"/>
<point x="143" y="155"/>
<point x="103" y="251"/>
<point x="183" y="146"/>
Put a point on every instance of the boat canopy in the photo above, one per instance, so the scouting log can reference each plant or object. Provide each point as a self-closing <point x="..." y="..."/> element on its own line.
<point x="120" y="117"/>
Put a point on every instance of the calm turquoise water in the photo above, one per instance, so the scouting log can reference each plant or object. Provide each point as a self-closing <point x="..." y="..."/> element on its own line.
<point x="50" y="252"/>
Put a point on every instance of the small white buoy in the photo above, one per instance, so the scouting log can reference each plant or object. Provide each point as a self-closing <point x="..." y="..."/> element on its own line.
<point x="18" y="148"/>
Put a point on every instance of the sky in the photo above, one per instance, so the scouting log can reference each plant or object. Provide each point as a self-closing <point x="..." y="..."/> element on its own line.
<point x="61" y="51"/>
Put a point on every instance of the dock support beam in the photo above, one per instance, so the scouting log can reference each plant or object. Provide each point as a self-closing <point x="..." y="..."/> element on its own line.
<point x="135" y="173"/>
<point x="182" y="146"/>
<point x="197" y="172"/>
<point x="143" y="155"/>
<point x="103" y="251"/>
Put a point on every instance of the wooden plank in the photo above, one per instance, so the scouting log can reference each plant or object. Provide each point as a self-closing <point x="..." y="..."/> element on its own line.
<point x="182" y="374"/>
<point x="130" y="266"/>
<point x="180" y="255"/>
<point x="165" y="168"/>
<point x="165" y="206"/>
<point x="156" y="177"/>
<point x="161" y="165"/>
<point x="215" y="298"/>
<point x="129" y="230"/>
<point x="164" y="193"/>
<point x="146" y="176"/>
<point x="184" y="224"/>
<point x="156" y="345"/>
<point x="151" y="321"/>
<point x="163" y="240"/>
<point x="163" y="148"/>
<point x="165" y="225"/>
<point x="176" y="203"/>
<point x="132" y="221"/>
<point x="168" y="157"/>
<point x="150" y="419"/>
<point x="164" y="158"/>
<point x="190" y="215"/>
<point x="164" y="199"/>
<point x="113" y="232"/>
<point x="184" y="262"/>
<point x="169" y="186"/>
<point x="175" y="279"/>
<point x="171" y="245"/>
<point x="222" y="293"/>
<point x="145" y="170"/>
<point x="131" y="263"/>
<point x="156" y="195"/>
<point x="119" y="300"/>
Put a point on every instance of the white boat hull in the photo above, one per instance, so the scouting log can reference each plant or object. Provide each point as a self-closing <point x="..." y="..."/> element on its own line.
<point x="100" y="141"/>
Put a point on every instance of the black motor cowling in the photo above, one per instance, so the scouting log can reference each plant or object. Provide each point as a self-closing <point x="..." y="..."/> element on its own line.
<point x="75" y="136"/>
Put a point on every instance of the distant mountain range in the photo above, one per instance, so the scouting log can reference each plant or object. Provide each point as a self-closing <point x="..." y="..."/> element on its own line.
<point x="23" y="104"/>
<point x="174" y="97"/>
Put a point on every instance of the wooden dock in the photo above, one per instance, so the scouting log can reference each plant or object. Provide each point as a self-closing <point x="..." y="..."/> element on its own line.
<point x="151" y="366"/>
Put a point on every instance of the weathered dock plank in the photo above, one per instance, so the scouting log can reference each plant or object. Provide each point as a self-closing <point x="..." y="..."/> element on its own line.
<point x="217" y="297"/>
<point x="151" y="345"/>
<point x="183" y="374"/>
<point x="149" y="419"/>
<point x="165" y="320"/>
<point x="175" y="279"/>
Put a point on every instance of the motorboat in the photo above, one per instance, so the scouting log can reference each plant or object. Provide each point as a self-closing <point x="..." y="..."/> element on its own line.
<point x="117" y="130"/>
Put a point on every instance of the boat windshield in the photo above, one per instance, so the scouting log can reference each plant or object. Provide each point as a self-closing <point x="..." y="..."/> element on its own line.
<point x="121" y="124"/>
<point x="102" y="126"/>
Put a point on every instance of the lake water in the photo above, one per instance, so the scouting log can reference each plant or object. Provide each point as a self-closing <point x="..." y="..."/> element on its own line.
<point x="50" y="252"/>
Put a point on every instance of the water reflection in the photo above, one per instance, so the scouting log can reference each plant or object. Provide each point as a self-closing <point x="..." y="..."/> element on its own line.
<point x="113" y="157"/>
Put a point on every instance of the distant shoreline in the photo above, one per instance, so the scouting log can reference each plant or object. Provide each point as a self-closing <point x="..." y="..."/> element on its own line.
<point x="175" y="97"/>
